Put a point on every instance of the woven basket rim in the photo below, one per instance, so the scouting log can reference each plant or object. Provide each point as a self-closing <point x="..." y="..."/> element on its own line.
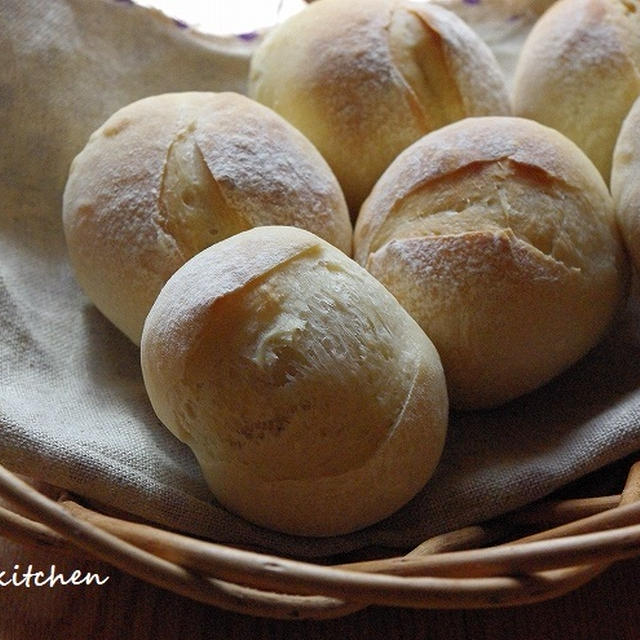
<point x="468" y="568"/>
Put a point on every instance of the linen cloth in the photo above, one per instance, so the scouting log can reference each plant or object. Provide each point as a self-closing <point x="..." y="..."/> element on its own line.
<point x="73" y="408"/>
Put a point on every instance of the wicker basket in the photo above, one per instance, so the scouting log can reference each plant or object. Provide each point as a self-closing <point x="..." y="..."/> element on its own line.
<point x="575" y="539"/>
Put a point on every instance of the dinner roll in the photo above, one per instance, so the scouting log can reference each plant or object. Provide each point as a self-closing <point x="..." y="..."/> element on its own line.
<point x="497" y="234"/>
<point x="169" y="175"/>
<point x="364" y="79"/>
<point x="313" y="402"/>
<point x="579" y="72"/>
<point x="625" y="182"/>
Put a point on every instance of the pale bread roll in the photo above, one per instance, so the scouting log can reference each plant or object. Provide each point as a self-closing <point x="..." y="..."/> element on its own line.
<point x="169" y="175"/>
<point x="364" y="79"/>
<point x="625" y="182"/>
<point x="313" y="402"/>
<point x="498" y="236"/>
<point x="579" y="72"/>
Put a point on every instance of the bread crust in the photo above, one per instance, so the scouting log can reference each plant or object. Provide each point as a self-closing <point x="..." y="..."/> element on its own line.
<point x="313" y="402"/>
<point x="579" y="72"/>
<point x="365" y="79"/>
<point x="625" y="182"/>
<point x="498" y="236"/>
<point x="168" y="175"/>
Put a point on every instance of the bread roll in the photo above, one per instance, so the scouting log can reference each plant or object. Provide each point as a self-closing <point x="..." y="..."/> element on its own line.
<point x="313" y="402"/>
<point x="169" y="175"/>
<point x="498" y="236"/>
<point x="625" y="182"/>
<point x="579" y="72"/>
<point x="364" y="79"/>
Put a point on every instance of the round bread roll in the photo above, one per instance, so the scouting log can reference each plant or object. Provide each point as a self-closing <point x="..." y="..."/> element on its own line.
<point x="169" y="175"/>
<point x="313" y="402"/>
<point x="497" y="234"/>
<point x="364" y="79"/>
<point x="625" y="182"/>
<point x="579" y="72"/>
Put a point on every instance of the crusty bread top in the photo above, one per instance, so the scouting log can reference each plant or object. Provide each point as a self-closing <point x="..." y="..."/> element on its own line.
<point x="541" y="153"/>
<point x="625" y="181"/>
<point x="169" y="175"/>
<point x="238" y="264"/>
<point x="251" y="154"/>
<point x="579" y="72"/>
<point x="364" y="79"/>
<point x="625" y="177"/>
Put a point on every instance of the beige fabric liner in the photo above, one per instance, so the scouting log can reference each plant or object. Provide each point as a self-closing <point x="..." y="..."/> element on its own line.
<point x="73" y="409"/>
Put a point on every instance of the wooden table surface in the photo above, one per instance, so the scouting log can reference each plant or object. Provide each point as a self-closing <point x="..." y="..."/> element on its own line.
<point x="125" y="608"/>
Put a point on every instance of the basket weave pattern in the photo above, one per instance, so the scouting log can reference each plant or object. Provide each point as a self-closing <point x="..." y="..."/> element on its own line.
<point x="575" y="539"/>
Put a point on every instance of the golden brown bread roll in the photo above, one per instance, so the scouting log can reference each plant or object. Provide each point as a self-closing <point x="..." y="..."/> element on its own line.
<point x="625" y="182"/>
<point x="364" y="79"/>
<point x="579" y="72"/>
<point x="498" y="236"/>
<point x="313" y="402"/>
<point x="169" y="175"/>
